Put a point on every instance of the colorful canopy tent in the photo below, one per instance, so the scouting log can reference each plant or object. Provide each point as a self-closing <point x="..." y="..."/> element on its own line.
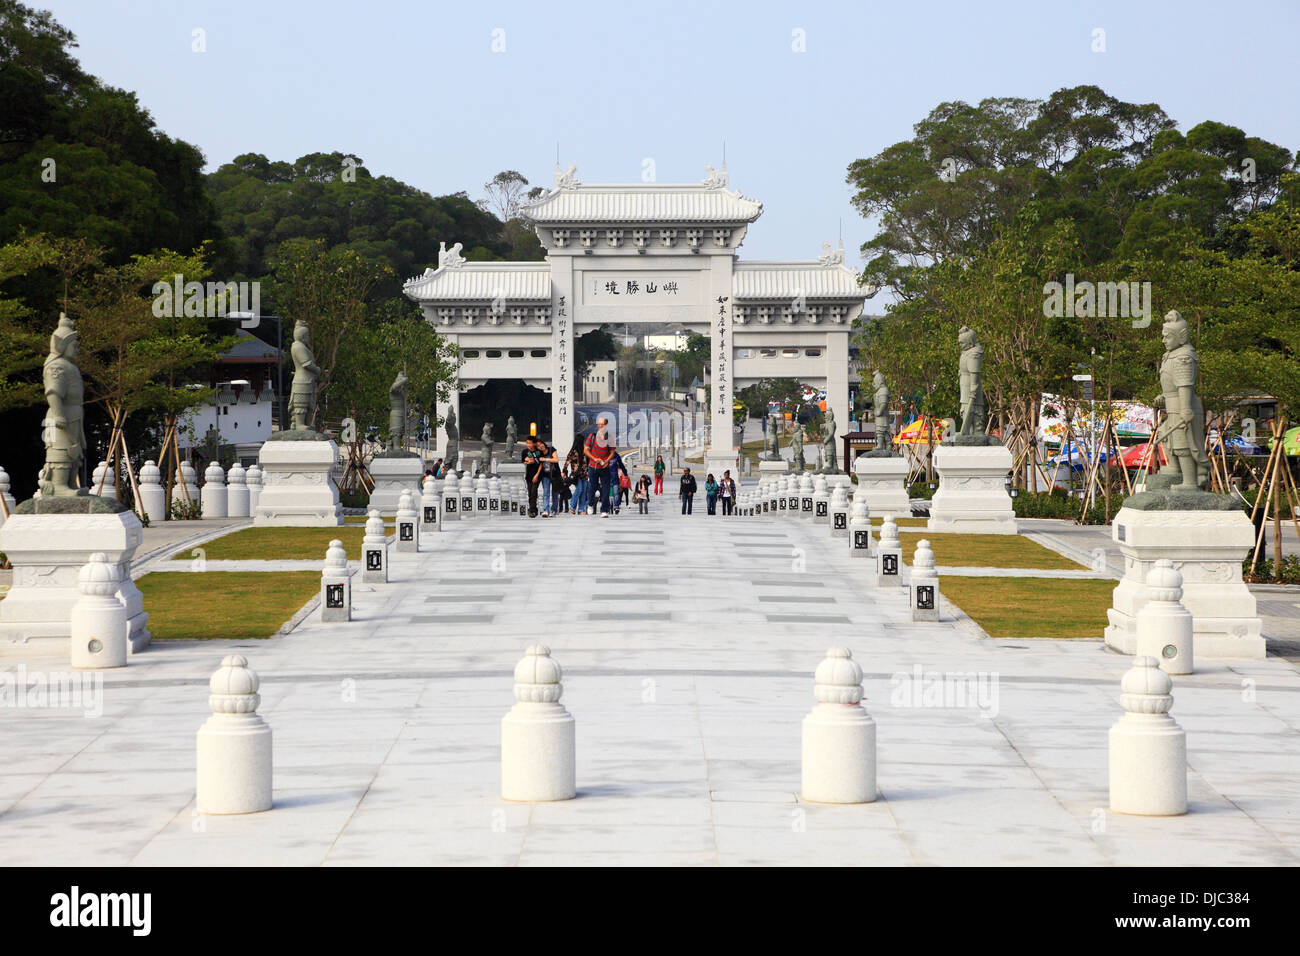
<point x="1078" y="456"/>
<point x="1135" y="456"/>
<point x="1290" y="441"/>
<point x="915" y="433"/>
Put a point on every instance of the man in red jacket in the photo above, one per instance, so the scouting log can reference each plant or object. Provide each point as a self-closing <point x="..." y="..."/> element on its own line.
<point x="600" y="452"/>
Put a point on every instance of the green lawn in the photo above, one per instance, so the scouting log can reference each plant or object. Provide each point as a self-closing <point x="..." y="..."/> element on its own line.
<point x="280" y="544"/>
<point x="986" y="551"/>
<point x="901" y="522"/>
<point x="1032" y="607"/>
<point x="231" y="605"/>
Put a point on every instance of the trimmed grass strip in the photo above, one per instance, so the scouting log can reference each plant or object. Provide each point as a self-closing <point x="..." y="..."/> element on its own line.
<point x="1032" y="607"/>
<point x="227" y="605"/>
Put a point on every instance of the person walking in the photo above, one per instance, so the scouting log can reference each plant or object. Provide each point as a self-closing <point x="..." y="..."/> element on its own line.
<point x="532" y="460"/>
<point x="550" y="480"/>
<point x="711" y="494"/>
<point x="642" y="495"/>
<point x="727" y="492"/>
<point x="686" y="491"/>
<point x="600" y="452"/>
<point x="621" y="481"/>
<point x="660" y="467"/>
<point x="575" y="472"/>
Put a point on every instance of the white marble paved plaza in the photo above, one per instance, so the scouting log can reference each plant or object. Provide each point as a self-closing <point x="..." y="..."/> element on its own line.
<point x="688" y="646"/>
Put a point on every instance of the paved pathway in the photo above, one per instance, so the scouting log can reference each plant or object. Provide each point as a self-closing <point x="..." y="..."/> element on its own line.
<point x="688" y="646"/>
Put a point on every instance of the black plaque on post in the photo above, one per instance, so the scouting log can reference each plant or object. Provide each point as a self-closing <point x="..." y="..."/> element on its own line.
<point x="839" y="520"/>
<point x="333" y="595"/>
<point x="451" y="505"/>
<point x="821" y="509"/>
<point x="406" y="531"/>
<point x="807" y="504"/>
<point x="374" y="560"/>
<point x="925" y="597"/>
<point x="862" y="540"/>
<point x="430" y="514"/>
<point x="889" y="564"/>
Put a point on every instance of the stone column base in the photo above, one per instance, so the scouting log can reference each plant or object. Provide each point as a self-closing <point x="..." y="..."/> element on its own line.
<point x="298" y="489"/>
<point x="1206" y="548"/>
<point x="883" y="482"/>
<point x="718" y="460"/>
<point x="48" y="552"/>
<point x="393" y="476"/>
<point x="972" y="495"/>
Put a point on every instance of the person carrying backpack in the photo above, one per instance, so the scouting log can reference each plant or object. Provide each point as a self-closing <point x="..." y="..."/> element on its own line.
<point x="686" y="491"/>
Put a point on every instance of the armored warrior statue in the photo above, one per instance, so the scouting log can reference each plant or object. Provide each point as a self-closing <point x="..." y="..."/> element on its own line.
<point x="65" y="441"/>
<point x="452" y="460"/>
<point x="830" y="461"/>
<point x="772" y="441"/>
<point x="397" y="412"/>
<point x="970" y="371"/>
<point x="796" y="448"/>
<point x="485" y="456"/>
<point x="302" y="395"/>
<point x="1183" y="429"/>
<point x="512" y="437"/>
<point x="880" y="410"/>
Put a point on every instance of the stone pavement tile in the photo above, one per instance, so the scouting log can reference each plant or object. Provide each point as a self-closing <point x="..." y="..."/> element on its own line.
<point x="531" y="857"/>
<point x="946" y="845"/>
<point x="163" y="779"/>
<point x="1135" y="851"/>
<point x="432" y="846"/>
<point x="625" y="809"/>
<point x="430" y="817"/>
<point x="620" y="837"/>
<point x="15" y="786"/>
<point x="794" y="845"/>
<point x="815" y="817"/>
<point x="83" y="830"/>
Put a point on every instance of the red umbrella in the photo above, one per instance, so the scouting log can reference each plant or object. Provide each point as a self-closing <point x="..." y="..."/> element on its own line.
<point x="1133" y="457"/>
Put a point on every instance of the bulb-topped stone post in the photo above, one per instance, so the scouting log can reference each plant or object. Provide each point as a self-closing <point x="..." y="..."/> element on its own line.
<point x="234" y="745"/>
<point x="839" y="736"/>
<point x="538" y="756"/>
<point x="1148" y="750"/>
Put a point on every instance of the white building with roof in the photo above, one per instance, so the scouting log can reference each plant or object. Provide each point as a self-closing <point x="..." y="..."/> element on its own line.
<point x="647" y="253"/>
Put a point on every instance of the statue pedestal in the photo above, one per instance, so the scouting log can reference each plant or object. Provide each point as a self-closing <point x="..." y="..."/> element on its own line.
<point x="883" y="483"/>
<point x="48" y="552"/>
<point x="298" y="488"/>
<point x="972" y="495"/>
<point x="1207" y="548"/>
<point x="393" y="476"/>
<point x="766" y="470"/>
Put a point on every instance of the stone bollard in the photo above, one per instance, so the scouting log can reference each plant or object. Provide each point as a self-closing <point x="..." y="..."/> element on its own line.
<point x="408" y="524"/>
<point x="430" y="506"/>
<point x="238" y="500"/>
<point x="110" y="483"/>
<point x="213" y="498"/>
<point x="537" y="737"/>
<point x="1148" y="750"/>
<point x="805" y="496"/>
<point x="450" y="498"/>
<point x="924" y="587"/>
<point x="821" y="498"/>
<point x="481" y="497"/>
<point x="254" y="482"/>
<point x="153" y="496"/>
<point x="889" y="555"/>
<point x="336" y="585"/>
<point x="839" y="736"/>
<point x="1164" y="626"/>
<point x="189" y="478"/>
<point x="839" y="512"/>
<point x="234" y="745"/>
<point x="774" y="497"/>
<point x="4" y="493"/>
<point x="374" y="550"/>
<point x="859" y="529"/>
<point x="101" y="624"/>
<point x="792" y="496"/>
<point x="466" y="496"/>
<point x="494" y="496"/>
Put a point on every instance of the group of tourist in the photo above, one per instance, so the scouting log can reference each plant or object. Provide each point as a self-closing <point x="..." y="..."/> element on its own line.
<point x="593" y="479"/>
<point x="714" y="491"/>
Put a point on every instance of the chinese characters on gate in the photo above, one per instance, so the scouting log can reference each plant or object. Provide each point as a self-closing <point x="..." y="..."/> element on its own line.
<point x="562" y="354"/>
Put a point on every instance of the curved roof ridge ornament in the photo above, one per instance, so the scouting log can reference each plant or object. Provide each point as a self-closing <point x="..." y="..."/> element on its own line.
<point x="715" y="178"/>
<point x="566" y="178"/>
<point x="832" y="256"/>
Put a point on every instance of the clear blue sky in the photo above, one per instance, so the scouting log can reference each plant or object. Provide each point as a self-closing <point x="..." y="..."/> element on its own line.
<point x="415" y="90"/>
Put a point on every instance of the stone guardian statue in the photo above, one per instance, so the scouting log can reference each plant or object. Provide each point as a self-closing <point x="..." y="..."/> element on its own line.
<point x="796" y="448"/>
<point x="970" y="373"/>
<point x="512" y="437"/>
<point x="397" y="412"/>
<point x="65" y="439"/>
<point x="773" y="439"/>
<point x="452" y="461"/>
<point x="485" y="456"/>
<point x="302" y="394"/>
<point x="830" y="461"/>
<point x="1183" y="429"/>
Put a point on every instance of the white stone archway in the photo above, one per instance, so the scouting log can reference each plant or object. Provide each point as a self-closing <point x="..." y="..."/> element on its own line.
<point x="647" y="253"/>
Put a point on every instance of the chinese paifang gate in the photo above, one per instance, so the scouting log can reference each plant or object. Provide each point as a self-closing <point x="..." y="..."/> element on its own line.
<point x="646" y="253"/>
